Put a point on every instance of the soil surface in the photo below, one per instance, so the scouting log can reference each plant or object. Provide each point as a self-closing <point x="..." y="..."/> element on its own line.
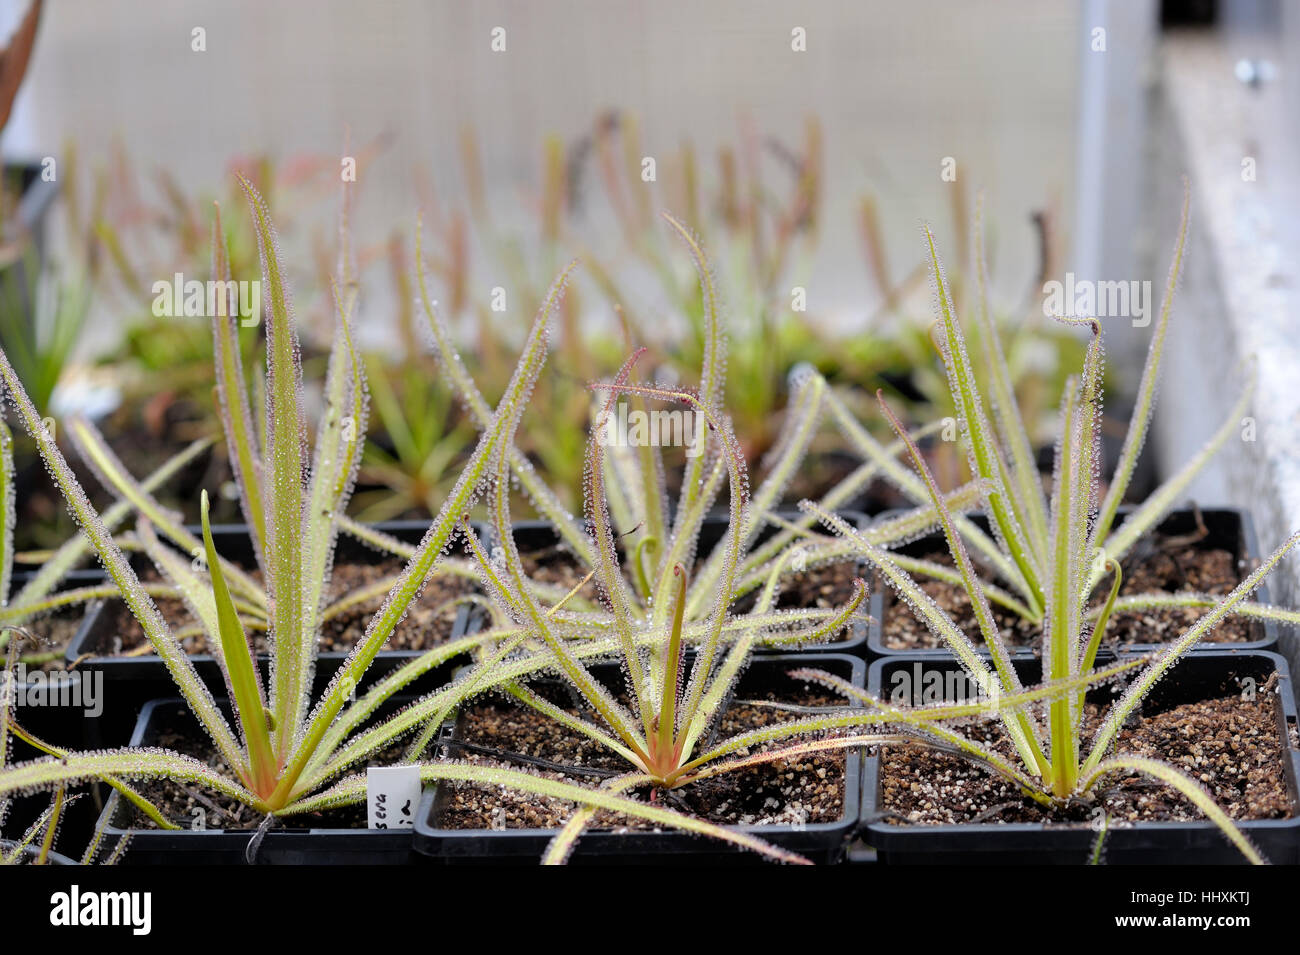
<point x="52" y="634"/>
<point x="810" y="789"/>
<point x="826" y="587"/>
<point x="558" y="567"/>
<point x="427" y="623"/>
<point x="903" y="629"/>
<point x="1230" y="745"/>
<point x="1186" y="569"/>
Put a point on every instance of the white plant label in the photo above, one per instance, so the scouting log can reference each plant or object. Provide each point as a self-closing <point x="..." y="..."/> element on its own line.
<point x="392" y="794"/>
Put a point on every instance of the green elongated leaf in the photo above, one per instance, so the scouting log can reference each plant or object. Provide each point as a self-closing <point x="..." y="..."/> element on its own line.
<point x="135" y="763"/>
<point x="1021" y="729"/>
<point x="245" y="686"/>
<point x="1084" y="474"/>
<point x="17" y="613"/>
<point x="934" y="616"/>
<point x="1103" y="617"/>
<point x="924" y="568"/>
<point x="531" y="616"/>
<point x="129" y="794"/>
<point x="283" y="458"/>
<point x="375" y="538"/>
<point x="1186" y="787"/>
<point x="567" y="719"/>
<point x="119" y="569"/>
<point x="95" y="451"/>
<point x="562" y="846"/>
<point x="610" y="575"/>
<point x="682" y="542"/>
<point x="738" y="656"/>
<point x="1146" y="393"/>
<point x="653" y="491"/>
<point x="947" y="738"/>
<point x="76" y="547"/>
<point x="431" y="547"/>
<point x="7" y="511"/>
<point x="671" y="676"/>
<point x="543" y="498"/>
<point x="232" y="397"/>
<point x="1124" y="707"/>
<point x="383" y="689"/>
<point x="803" y="416"/>
<point x="998" y="704"/>
<point x="1142" y="602"/>
<point x="985" y="458"/>
<point x="713" y="368"/>
<point x="339" y="443"/>
<point x="802" y="419"/>
<point x="623" y="489"/>
<point x="352" y="790"/>
<point x="1059" y="636"/>
<point x="1149" y="512"/>
<point x="1006" y="409"/>
<point x="902" y="478"/>
<point x="175" y="569"/>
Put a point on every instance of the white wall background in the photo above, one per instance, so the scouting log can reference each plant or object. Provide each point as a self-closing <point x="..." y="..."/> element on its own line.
<point x="896" y="85"/>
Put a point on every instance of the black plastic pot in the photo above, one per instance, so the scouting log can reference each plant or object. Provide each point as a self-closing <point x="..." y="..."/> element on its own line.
<point x="1228" y="528"/>
<point x="532" y="536"/>
<point x="1196" y="677"/>
<point x="1231" y="529"/>
<point x="820" y="842"/>
<point x="47" y="714"/>
<point x="133" y="680"/>
<point x="229" y="847"/>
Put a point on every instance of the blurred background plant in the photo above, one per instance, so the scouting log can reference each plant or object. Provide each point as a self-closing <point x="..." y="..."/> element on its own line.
<point x="758" y="203"/>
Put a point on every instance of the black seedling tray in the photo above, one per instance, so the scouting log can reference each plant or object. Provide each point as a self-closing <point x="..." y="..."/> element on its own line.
<point x="820" y="842"/>
<point x="1206" y="675"/>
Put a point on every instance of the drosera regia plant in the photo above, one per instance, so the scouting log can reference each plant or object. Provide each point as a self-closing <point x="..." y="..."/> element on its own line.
<point x="282" y="752"/>
<point x="1017" y="548"/>
<point x="342" y="426"/>
<point x="657" y="533"/>
<point x="679" y="643"/>
<point x="1057" y="574"/>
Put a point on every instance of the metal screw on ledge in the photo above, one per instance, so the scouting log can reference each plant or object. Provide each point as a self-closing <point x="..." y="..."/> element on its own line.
<point x="1254" y="73"/>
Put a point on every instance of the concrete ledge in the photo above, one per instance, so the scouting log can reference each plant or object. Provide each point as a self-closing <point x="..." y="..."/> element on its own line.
<point x="1239" y="292"/>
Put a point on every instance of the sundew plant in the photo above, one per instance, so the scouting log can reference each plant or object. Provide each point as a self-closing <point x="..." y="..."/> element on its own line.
<point x="1054" y="550"/>
<point x="1017" y="548"/>
<point x="283" y="751"/>
<point x="679" y="644"/>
